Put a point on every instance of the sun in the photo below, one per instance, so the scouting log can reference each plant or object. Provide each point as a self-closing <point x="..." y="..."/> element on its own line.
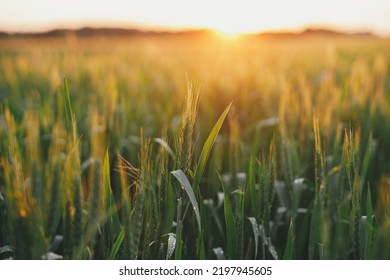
<point x="232" y="29"/>
<point x="228" y="34"/>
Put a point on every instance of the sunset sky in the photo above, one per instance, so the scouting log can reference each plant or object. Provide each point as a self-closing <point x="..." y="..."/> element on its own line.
<point x="235" y="16"/>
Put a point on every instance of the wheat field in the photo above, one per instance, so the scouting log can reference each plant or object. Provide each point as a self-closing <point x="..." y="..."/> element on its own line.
<point x="195" y="147"/>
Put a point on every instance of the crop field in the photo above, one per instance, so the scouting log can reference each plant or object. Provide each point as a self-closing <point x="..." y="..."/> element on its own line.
<point x="195" y="147"/>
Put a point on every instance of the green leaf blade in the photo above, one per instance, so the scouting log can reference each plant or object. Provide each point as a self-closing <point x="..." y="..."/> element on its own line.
<point x="182" y="178"/>
<point x="288" y="252"/>
<point x="208" y="145"/>
<point x="117" y="244"/>
<point x="230" y="223"/>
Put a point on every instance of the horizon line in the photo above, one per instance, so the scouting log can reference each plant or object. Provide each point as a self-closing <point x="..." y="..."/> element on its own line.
<point x="143" y="28"/>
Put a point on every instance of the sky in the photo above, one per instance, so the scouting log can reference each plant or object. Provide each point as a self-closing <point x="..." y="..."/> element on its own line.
<point x="229" y="16"/>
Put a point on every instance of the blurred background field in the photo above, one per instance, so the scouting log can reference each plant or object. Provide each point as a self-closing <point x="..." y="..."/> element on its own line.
<point x="92" y="127"/>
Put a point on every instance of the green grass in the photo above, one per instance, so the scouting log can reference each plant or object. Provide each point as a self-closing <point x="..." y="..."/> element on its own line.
<point x="280" y="151"/>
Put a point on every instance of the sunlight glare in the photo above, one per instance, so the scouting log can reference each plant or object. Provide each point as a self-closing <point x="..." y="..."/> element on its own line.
<point x="232" y="29"/>
<point x="227" y="34"/>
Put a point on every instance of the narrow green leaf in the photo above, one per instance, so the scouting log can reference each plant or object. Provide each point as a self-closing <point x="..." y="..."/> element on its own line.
<point x="169" y="214"/>
<point x="77" y="221"/>
<point x="252" y="190"/>
<point x="208" y="145"/>
<point x="110" y="201"/>
<point x="182" y="178"/>
<point x="288" y="251"/>
<point x="316" y="227"/>
<point x="200" y="241"/>
<point x="179" y="226"/>
<point x="369" y="227"/>
<point x="230" y="223"/>
<point x="243" y="200"/>
<point x="117" y="244"/>
<point x="112" y="226"/>
<point x="55" y="209"/>
<point x="67" y="232"/>
<point x="95" y="198"/>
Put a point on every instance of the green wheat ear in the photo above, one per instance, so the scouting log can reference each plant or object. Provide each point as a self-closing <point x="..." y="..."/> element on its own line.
<point x="173" y="204"/>
<point x="69" y="115"/>
<point x="187" y="127"/>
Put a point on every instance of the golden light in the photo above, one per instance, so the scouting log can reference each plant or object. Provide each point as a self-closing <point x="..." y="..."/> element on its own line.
<point x="227" y="33"/>
<point x="230" y="26"/>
